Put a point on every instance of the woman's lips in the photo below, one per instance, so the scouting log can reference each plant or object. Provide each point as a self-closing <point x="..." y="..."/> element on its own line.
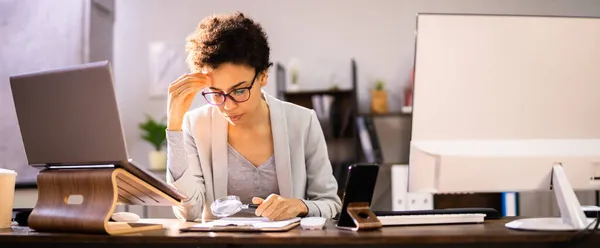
<point x="234" y="117"/>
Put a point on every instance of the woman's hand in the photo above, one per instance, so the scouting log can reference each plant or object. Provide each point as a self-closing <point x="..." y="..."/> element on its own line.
<point x="276" y="207"/>
<point x="181" y="96"/>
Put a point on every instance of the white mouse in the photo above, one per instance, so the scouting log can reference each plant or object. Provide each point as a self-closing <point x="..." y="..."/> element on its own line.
<point x="125" y="217"/>
<point x="313" y="223"/>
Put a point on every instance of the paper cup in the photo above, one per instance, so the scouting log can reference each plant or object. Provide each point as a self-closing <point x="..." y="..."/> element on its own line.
<point x="7" y="196"/>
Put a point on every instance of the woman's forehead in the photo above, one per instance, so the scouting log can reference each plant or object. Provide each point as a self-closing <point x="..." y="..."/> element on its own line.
<point x="228" y="75"/>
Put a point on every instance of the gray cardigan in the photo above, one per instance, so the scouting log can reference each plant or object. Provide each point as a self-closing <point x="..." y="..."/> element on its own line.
<point x="302" y="163"/>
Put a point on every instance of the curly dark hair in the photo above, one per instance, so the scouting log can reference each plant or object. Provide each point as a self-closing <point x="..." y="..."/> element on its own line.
<point x="232" y="38"/>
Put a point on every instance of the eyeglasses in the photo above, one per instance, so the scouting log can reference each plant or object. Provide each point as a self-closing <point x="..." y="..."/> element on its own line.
<point x="237" y="95"/>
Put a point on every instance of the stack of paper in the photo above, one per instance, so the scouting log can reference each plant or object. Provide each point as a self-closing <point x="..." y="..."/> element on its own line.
<point x="257" y="222"/>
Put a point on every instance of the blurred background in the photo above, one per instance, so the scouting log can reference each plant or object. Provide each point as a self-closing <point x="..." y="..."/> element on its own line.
<point x="350" y="60"/>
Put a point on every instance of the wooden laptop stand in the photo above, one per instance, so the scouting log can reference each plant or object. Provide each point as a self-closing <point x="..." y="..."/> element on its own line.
<point x="101" y="190"/>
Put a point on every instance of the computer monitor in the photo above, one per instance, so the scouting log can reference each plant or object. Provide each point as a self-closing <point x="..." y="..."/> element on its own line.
<point x="507" y="103"/>
<point x="68" y="118"/>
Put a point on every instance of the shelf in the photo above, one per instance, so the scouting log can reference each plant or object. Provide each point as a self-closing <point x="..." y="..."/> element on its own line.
<point x="319" y="92"/>
<point x="397" y="113"/>
<point x="405" y="111"/>
<point x="344" y="147"/>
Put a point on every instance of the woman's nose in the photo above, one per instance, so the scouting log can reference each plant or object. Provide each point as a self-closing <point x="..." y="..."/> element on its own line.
<point x="229" y="104"/>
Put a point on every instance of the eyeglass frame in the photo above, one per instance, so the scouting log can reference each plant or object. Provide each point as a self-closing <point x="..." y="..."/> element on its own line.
<point x="228" y="94"/>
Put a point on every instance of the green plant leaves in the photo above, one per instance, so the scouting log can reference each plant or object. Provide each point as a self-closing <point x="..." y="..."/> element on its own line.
<point x="154" y="132"/>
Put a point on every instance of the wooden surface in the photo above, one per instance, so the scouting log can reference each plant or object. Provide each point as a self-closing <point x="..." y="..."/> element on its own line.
<point x="490" y="234"/>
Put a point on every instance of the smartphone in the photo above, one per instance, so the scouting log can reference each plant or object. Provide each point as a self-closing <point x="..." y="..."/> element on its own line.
<point x="360" y="184"/>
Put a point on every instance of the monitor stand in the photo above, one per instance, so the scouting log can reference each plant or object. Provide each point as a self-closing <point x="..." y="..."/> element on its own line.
<point x="100" y="190"/>
<point x="572" y="217"/>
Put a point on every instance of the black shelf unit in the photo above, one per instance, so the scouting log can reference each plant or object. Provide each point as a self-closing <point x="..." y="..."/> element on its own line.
<point x="390" y="114"/>
<point x="341" y="132"/>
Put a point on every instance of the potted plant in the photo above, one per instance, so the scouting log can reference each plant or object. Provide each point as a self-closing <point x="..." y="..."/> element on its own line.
<point x="154" y="132"/>
<point x="294" y="86"/>
<point x="379" y="98"/>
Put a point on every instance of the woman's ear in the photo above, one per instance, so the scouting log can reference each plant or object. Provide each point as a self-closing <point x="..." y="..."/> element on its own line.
<point x="263" y="78"/>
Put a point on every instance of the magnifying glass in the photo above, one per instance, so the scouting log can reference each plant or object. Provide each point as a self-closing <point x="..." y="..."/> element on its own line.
<point x="229" y="205"/>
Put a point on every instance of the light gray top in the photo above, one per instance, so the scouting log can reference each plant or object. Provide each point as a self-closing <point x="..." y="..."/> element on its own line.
<point x="246" y="180"/>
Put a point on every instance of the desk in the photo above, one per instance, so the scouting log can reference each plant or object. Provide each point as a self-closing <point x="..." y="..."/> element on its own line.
<point x="490" y="234"/>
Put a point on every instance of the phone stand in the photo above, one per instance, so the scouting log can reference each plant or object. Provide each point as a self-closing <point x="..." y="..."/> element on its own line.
<point x="363" y="217"/>
<point x="100" y="190"/>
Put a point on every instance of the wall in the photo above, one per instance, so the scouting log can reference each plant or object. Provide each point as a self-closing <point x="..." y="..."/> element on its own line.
<point x="39" y="35"/>
<point x="34" y="35"/>
<point x="322" y="35"/>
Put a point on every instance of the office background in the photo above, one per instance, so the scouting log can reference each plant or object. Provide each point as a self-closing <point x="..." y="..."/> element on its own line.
<point x="319" y="37"/>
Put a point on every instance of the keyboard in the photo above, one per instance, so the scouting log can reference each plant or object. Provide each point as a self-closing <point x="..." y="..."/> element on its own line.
<point x="490" y="213"/>
<point x="430" y="219"/>
<point x="436" y="216"/>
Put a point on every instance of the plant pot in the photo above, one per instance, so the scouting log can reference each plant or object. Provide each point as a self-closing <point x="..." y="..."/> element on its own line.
<point x="379" y="102"/>
<point x="294" y="87"/>
<point x="158" y="160"/>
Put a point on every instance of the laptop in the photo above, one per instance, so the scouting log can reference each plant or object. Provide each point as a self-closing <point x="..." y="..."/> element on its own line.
<point x="69" y="118"/>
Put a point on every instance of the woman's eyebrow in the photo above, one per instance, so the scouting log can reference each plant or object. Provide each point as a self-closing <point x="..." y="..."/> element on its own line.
<point x="232" y="87"/>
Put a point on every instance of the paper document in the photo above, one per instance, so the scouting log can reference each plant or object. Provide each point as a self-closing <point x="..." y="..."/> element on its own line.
<point x="258" y="222"/>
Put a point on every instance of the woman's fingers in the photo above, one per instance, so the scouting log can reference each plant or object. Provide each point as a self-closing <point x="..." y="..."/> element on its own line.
<point x="266" y="204"/>
<point x="179" y="80"/>
<point x="257" y="200"/>
<point x="281" y="213"/>
<point x="190" y="85"/>
<point x="276" y="208"/>
<point x="182" y="92"/>
<point x="276" y="205"/>
<point x="187" y="81"/>
<point x="190" y="77"/>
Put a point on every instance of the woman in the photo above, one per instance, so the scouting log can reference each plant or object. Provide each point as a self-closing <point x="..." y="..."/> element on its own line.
<point x="244" y="142"/>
